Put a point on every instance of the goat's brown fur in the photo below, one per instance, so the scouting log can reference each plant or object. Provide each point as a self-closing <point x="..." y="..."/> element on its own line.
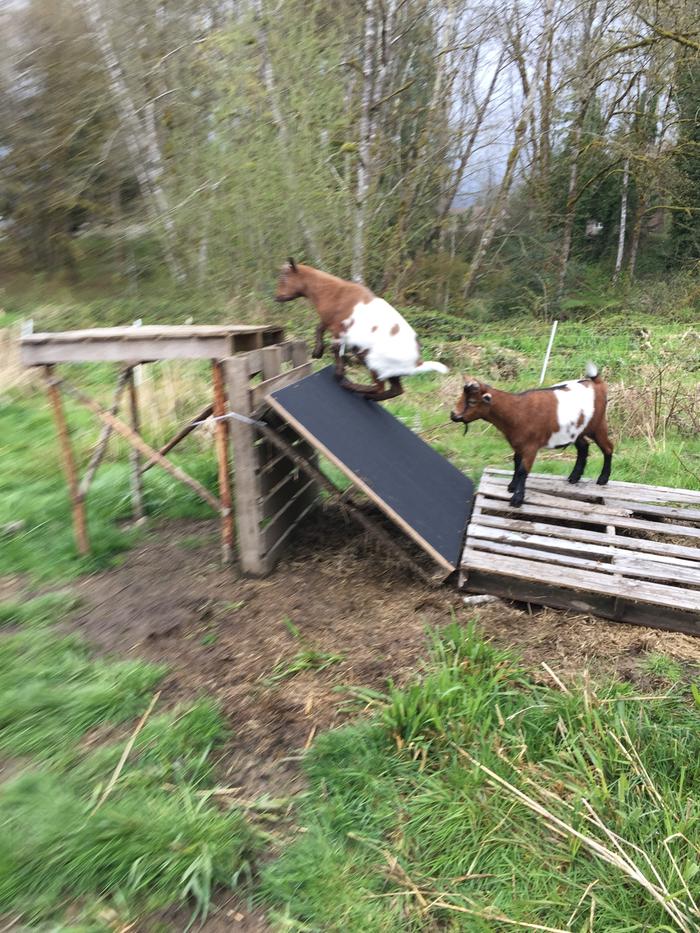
<point x="528" y="420"/>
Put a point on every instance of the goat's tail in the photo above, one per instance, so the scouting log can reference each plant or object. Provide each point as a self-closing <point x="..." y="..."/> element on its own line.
<point x="429" y="366"/>
<point x="592" y="372"/>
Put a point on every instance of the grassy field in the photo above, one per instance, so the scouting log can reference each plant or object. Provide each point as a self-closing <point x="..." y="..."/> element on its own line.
<point x="472" y="799"/>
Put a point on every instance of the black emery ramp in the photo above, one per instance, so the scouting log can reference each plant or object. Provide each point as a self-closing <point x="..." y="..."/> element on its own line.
<point x="428" y="497"/>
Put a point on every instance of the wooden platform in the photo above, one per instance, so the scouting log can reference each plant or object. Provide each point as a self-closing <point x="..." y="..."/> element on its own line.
<point x="624" y="551"/>
<point x="146" y="344"/>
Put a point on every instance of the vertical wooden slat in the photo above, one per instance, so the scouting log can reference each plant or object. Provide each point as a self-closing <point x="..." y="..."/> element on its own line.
<point x="134" y="456"/>
<point x="222" y="440"/>
<point x="300" y="352"/>
<point x="78" y="508"/>
<point x="246" y="485"/>
<point x="271" y="362"/>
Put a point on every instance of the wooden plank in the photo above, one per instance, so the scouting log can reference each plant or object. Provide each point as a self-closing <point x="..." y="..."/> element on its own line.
<point x="525" y="591"/>
<point x="557" y="496"/>
<point x="651" y="593"/>
<point x="275" y="552"/>
<point x="616" y="488"/>
<point x="222" y="448"/>
<point x="134" y="458"/>
<point x="617" y="566"/>
<point x="566" y="546"/>
<point x="77" y="503"/>
<point x="149" y="331"/>
<point x="246" y="490"/>
<point x="260" y="392"/>
<point x="271" y="362"/>
<point x="604" y="517"/>
<point x="269" y="478"/>
<point x="532" y="497"/>
<point x="254" y="358"/>
<point x="136" y="441"/>
<point x="289" y="514"/>
<point x="127" y="351"/>
<point x="585" y="536"/>
<point x="283" y="492"/>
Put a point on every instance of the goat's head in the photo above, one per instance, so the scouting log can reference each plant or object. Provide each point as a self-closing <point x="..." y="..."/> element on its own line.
<point x="289" y="284"/>
<point x="473" y="403"/>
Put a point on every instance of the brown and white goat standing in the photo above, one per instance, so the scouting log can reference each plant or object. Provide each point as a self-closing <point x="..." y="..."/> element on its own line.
<point x="569" y="413"/>
<point x="362" y="326"/>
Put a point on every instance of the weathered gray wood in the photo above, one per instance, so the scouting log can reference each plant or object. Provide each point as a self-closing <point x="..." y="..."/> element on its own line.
<point x="614" y="488"/>
<point x="611" y="503"/>
<point x="603" y="517"/>
<point x="289" y="513"/>
<point x="563" y="545"/>
<point x="246" y="489"/>
<point x="300" y="353"/>
<point x="222" y="457"/>
<point x="146" y="343"/>
<point x="654" y="593"/>
<point x="609" y="607"/>
<point x="260" y="392"/>
<point x="585" y="536"/>
<point x="283" y="491"/>
<point x="611" y="564"/>
<point x="271" y="362"/>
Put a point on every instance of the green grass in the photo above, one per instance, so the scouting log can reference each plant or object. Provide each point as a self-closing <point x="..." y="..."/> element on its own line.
<point x="403" y="826"/>
<point x="158" y="838"/>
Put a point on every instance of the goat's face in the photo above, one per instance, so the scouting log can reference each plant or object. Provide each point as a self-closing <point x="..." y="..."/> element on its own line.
<point x="289" y="284"/>
<point x="473" y="403"/>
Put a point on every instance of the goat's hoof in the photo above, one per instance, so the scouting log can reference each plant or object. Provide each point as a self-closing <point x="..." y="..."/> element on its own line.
<point x="517" y="501"/>
<point x="573" y="479"/>
<point x="602" y="480"/>
<point x="317" y="354"/>
<point x="511" y="487"/>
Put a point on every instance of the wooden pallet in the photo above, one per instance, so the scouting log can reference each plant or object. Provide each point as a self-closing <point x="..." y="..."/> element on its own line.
<point x="624" y="551"/>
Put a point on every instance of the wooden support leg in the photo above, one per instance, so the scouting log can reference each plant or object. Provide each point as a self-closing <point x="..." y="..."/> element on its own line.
<point x="222" y="441"/>
<point x="134" y="456"/>
<point x="101" y="446"/>
<point x="79" y="523"/>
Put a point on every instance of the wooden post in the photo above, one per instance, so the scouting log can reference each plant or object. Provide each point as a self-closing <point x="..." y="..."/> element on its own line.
<point x="222" y="435"/>
<point x="181" y="435"/>
<point x="134" y="457"/>
<point x="271" y="362"/>
<point x="246" y="487"/>
<point x="79" y="524"/>
<point x="103" y="440"/>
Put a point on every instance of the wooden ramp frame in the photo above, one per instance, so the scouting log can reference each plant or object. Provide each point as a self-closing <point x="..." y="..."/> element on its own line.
<point x="624" y="551"/>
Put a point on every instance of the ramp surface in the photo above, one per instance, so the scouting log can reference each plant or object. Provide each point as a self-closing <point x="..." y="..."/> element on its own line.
<point x="421" y="491"/>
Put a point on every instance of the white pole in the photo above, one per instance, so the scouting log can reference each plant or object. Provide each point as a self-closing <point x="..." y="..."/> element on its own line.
<point x="549" y="350"/>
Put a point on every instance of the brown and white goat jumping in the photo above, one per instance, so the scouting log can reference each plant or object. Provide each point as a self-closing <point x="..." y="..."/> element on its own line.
<point x="362" y="325"/>
<point x="572" y="412"/>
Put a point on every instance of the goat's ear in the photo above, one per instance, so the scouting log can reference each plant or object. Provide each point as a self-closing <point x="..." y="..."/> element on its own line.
<point x="292" y="265"/>
<point x="487" y="397"/>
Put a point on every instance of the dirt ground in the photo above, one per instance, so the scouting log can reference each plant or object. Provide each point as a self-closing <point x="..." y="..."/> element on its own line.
<point x="222" y="634"/>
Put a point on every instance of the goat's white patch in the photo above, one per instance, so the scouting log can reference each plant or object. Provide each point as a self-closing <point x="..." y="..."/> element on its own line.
<point x="575" y="406"/>
<point x="389" y="340"/>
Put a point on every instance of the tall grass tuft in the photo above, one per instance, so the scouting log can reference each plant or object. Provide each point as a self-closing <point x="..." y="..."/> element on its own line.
<point x="477" y="799"/>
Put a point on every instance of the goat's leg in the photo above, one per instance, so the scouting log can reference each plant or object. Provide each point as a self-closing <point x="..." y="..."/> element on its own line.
<point x="339" y="363"/>
<point x="516" y="466"/>
<point x="395" y="389"/>
<point x="318" y="347"/>
<point x="581" y="459"/>
<point x="603" y="441"/>
<point x="521" y="474"/>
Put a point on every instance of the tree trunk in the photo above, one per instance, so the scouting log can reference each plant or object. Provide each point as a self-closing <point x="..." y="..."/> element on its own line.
<point x="364" y="144"/>
<point x="636" y="236"/>
<point x="140" y="137"/>
<point x="570" y="213"/>
<point x="283" y="132"/>
<point x="499" y="203"/>
<point x="623" y="221"/>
